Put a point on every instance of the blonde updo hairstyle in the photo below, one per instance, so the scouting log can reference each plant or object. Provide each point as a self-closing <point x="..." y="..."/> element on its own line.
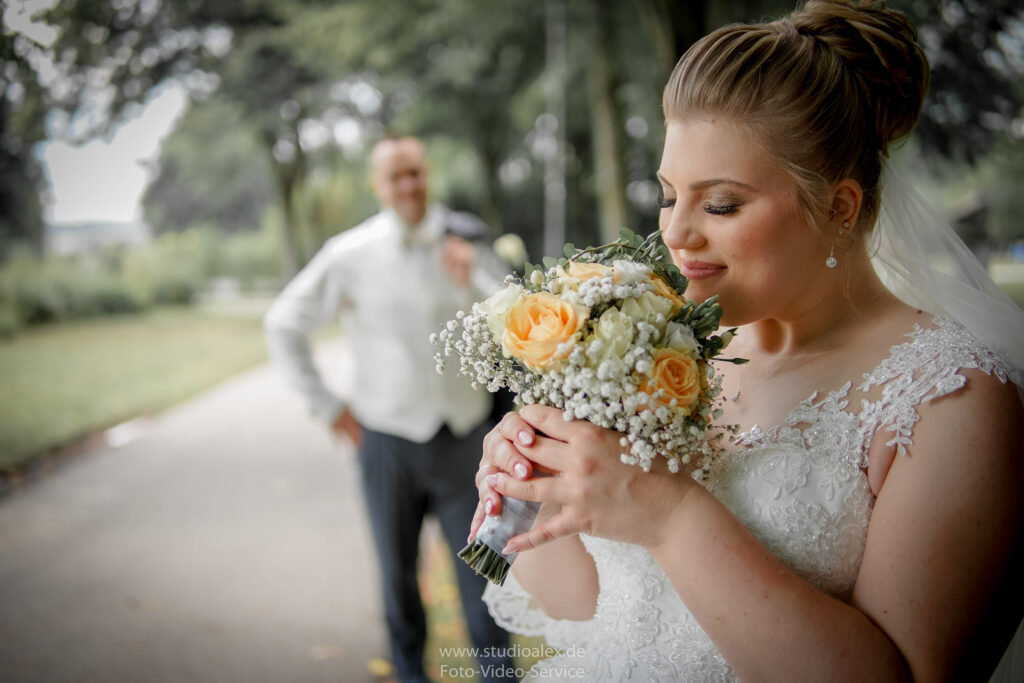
<point x="826" y="90"/>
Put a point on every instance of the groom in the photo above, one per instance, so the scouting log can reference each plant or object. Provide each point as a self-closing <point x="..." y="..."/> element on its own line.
<point x="399" y="276"/>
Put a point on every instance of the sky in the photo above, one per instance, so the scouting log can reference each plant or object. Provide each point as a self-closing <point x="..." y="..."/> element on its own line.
<point x="103" y="179"/>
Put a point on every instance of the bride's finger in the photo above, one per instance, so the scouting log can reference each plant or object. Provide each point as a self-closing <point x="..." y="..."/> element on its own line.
<point x="474" y="525"/>
<point x="504" y="454"/>
<point x="514" y="428"/>
<point x="559" y="526"/>
<point x="550" y="421"/>
<point x="539" y="489"/>
<point x="490" y="500"/>
<point x="478" y="519"/>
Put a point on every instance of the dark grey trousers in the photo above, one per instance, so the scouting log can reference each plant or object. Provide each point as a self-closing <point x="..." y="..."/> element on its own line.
<point x="402" y="482"/>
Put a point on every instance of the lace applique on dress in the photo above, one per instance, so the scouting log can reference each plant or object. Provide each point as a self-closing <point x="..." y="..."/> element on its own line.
<point x="921" y="370"/>
<point x="801" y="489"/>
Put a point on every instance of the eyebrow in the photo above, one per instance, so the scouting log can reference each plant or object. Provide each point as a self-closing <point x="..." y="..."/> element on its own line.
<point x="711" y="182"/>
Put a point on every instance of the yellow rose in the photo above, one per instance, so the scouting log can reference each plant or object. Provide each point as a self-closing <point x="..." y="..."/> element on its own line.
<point x="678" y="376"/>
<point x="537" y="324"/>
<point x="576" y="273"/>
<point x="586" y="271"/>
<point x="662" y="288"/>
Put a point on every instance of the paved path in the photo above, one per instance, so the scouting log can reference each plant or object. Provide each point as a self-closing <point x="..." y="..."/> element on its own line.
<point x="226" y="542"/>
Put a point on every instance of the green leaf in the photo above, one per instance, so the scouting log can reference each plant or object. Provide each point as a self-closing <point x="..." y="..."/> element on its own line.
<point x="569" y="250"/>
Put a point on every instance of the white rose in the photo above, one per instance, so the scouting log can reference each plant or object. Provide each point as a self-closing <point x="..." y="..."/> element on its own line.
<point x="647" y="307"/>
<point x="497" y="307"/>
<point x="680" y="337"/>
<point x="615" y="329"/>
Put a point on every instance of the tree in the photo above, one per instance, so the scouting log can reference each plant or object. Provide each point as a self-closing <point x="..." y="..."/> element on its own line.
<point x="976" y="51"/>
<point x="21" y="117"/>
<point x="475" y="73"/>
<point x="112" y="55"/>
<point x="211" y="170"/>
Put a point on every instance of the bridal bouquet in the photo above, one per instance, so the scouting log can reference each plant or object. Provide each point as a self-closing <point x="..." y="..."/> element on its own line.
<point x="605" y="335"/>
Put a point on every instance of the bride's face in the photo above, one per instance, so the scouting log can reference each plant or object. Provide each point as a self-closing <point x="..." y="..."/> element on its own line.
<point x="731" y="220"/>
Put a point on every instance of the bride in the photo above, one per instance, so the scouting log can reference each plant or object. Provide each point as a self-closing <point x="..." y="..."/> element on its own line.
<point x="866" y="524"/>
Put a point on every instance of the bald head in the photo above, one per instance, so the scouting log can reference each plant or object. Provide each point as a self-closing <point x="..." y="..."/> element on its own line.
<point x="399" y="177"/>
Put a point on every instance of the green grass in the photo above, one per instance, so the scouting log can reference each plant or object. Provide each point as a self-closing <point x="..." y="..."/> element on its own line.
<point x="1015" y="290"/>
<point x="63" y="382"/>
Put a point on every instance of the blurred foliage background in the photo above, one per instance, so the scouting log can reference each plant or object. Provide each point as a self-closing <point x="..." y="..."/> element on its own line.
<point x="543" y="117"/>
<point x="524" y="104"/>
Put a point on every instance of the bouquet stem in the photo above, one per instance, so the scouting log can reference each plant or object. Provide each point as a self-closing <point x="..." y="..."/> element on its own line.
<point x="486" y="561"/>
<point x="484" y="554"/>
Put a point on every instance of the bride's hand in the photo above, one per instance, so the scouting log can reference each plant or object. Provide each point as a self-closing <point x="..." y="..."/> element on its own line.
<point x="501" y="454"/>
<point x="598" y="494"/>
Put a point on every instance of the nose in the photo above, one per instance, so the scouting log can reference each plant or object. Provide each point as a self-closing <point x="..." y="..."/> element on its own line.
<point x="678" y="231"/>
<point x="407" y="185"/>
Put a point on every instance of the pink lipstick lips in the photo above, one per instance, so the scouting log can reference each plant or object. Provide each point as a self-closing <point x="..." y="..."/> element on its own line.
<point x="700" y="270"/>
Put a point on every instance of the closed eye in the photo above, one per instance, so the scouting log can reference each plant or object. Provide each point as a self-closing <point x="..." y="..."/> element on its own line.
<point x="721" y="209"/>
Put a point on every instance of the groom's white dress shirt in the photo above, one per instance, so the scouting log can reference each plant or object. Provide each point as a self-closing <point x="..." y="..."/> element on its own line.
<point x="388" y="279"/>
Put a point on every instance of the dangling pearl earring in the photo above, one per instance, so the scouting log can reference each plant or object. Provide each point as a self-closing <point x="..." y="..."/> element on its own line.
<point x="831" y="260"/>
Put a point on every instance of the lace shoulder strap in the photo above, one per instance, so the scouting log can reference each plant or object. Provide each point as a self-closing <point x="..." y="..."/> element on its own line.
<point x="923" y="369"/>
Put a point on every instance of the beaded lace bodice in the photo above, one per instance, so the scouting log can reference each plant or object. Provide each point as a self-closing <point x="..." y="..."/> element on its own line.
<point x="802" y="490"/>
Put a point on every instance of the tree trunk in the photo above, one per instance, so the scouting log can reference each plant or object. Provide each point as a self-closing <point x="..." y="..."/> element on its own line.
<point x="607" y="129"/>
<point x="673" y="27"/>
<point x="287" y="176"/>
<point x="491" y="156"/>
<point x="285" y="182"/>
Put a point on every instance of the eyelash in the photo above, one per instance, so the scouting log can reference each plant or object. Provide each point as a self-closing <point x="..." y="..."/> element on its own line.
<point x="721" y="209"/>
<point x="713" y="209"/>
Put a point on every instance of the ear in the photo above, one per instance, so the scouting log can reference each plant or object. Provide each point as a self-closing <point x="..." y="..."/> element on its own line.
<point x="847" y="196"/>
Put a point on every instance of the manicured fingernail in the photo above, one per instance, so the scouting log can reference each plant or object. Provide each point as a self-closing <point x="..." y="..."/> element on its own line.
<point x="525" y="437"/>
<point x="488" y="506"/>
<point x="491" y="479"/>
<point x="520" y="470"/>
<point x="510" y="548"/>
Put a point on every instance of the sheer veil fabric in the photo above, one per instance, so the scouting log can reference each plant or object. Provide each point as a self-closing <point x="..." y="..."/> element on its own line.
<point x="922" y="261"/>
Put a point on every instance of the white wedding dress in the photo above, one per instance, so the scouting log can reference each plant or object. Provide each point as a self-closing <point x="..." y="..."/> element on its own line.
<point x="800" y="487"/>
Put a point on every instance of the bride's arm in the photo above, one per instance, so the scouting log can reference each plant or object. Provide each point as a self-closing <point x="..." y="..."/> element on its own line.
<point x="562" y="578"/>
<point x="938" y="545"/>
